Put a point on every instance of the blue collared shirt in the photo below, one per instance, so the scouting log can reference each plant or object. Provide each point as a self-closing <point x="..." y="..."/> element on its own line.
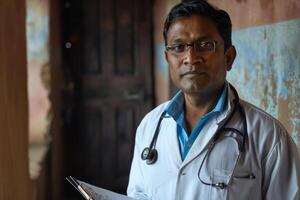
<point x="176" y="111"/>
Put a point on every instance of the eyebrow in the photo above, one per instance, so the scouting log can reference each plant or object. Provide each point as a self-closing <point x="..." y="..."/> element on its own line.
<point x="180" y="40"/>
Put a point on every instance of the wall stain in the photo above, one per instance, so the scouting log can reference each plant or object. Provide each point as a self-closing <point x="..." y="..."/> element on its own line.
<point x="266" y="3"/>
<point x="241" y="1"/>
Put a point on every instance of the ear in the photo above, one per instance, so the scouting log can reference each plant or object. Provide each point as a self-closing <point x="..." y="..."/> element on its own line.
<point x="230" y="55"/>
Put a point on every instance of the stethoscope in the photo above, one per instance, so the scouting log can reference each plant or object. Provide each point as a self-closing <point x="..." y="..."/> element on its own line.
<point x="150" y="154"/>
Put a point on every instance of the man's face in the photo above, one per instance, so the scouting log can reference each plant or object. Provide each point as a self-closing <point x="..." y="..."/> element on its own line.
<point x="196" y="72"/>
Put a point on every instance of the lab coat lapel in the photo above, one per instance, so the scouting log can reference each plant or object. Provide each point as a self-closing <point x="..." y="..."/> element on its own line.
<point x="172" y="142"/>
<point x="201" y="141"/>
<point x="208" y="131"/>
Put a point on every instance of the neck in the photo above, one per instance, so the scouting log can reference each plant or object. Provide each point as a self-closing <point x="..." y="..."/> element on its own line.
<point x="198" y="105"/>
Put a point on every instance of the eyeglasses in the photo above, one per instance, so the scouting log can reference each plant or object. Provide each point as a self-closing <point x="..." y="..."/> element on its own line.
<point x="200" y="46"/>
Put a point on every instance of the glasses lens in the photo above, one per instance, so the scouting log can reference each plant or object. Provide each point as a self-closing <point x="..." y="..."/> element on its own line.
<point x="204" y="46"/>
<point x="200" y="46"/>
<point x="177" y="48"/>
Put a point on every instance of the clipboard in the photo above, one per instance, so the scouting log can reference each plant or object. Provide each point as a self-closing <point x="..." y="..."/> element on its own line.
<point x="79" y="188"/>
<point x="91" y="192"/>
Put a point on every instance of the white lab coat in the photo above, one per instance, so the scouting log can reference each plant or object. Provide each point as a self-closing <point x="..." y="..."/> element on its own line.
<point x="270" y="155"/>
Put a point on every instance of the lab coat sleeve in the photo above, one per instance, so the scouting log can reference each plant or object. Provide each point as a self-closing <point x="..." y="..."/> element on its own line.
<point x="136" y="187"/>
<point x="282" y="171"/>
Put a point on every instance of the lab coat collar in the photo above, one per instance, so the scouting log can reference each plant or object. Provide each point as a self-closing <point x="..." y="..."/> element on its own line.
<point x="229" y="107"/>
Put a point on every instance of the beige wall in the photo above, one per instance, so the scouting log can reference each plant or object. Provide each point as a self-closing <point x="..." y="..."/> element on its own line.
<point x="251" y="13"/>
<point x="14" y="173"/>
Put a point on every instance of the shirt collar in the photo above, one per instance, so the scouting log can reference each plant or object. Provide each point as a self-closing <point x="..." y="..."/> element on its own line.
<point x="175" y="106"/>
<point x="220" y="106"/>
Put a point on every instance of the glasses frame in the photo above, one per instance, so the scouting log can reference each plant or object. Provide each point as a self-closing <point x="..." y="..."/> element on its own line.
<point x="169" y="48"/>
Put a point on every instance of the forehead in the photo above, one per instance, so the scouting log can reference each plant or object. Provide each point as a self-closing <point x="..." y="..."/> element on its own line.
<point x="191" y="28"/>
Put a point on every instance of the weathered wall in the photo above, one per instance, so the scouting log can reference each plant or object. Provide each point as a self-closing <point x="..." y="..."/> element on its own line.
<point x="38" y="82"/>
<point x="250" y="13"/>
<point x="38" y="68"/>
<point x="14" y="172"/>
<point x="267" y="69"/>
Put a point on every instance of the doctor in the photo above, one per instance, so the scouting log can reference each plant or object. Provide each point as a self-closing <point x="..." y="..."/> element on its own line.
<point x="206" y="143"/>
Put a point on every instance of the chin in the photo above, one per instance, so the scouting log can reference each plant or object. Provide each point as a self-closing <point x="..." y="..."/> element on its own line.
<point x="195" y="89"/>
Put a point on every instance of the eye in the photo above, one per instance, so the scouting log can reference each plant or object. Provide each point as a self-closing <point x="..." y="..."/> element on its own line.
<point x="205" y="45"/>
<point x="177" y="48"/>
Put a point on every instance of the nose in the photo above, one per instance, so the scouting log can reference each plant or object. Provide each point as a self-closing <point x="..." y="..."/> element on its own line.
<point x="191" y="57"/>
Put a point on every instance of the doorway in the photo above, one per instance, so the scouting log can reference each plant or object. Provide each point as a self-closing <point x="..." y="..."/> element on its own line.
<point x="107" y="59"/>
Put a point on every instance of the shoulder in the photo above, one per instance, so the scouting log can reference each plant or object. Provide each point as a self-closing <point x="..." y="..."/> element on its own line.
<point x="154" y="114"/>
<point x="276" y="153"/>
<point x="264" y="131"/>
<point x="260" y="119"/>
<point x="148" y="124"/>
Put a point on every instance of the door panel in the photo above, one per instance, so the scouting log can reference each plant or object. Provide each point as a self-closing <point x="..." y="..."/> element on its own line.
<point x="109" y="65"/>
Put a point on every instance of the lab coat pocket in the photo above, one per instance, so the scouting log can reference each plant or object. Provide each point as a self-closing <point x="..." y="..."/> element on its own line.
<point x="219" y="176"/>
<point x="242" y="186"/>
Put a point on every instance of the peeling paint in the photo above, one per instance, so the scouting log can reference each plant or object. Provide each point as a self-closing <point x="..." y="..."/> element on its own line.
<point x="37" y="31"/>
<point x="267" y="70"/>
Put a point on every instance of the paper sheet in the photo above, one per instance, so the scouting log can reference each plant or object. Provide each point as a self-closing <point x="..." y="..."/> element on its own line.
<point x="102" y="194"/>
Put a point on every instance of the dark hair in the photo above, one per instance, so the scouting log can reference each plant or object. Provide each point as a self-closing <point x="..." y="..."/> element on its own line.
<point x="201" y="7"/>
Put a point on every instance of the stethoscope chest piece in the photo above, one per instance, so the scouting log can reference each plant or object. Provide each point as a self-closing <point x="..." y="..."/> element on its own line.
<point x="150" y="155"/>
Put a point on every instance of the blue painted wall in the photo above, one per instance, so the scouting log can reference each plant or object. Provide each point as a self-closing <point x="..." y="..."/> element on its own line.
<point x="267" y="70"/>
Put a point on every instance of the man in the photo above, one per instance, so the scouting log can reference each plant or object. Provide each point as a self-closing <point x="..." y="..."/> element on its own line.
<point x="205" y="143"/>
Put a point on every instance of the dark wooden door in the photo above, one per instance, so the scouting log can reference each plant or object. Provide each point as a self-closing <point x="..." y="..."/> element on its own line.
<point x="108" y="72"/>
